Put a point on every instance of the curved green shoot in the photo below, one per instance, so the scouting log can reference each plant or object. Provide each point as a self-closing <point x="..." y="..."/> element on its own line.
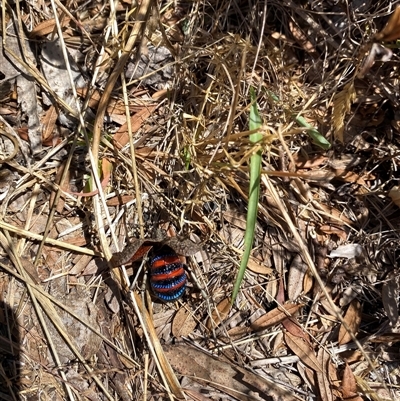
<point x="254" y="193"/>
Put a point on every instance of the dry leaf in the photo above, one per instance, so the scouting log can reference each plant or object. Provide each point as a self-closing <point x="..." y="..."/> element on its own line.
<point x="48" y="124"/>
<point x="237" y="332"/>
<point x="235" y="218"/>
<point x="308" y="282"/>
<point x="352" y="177"/>
<point x="232" y="235"/>
<point x="120" y="200"/>
<point x="323" y="378"/>
<point x="271" y="290"/>
<point x="184" y="323"/>
<point x="303" y="351"/>
<point x="308" y="375"/>
<point x="81" y="265"/>
<point x="353" y="320"/>
<point x="255" y="266"/>
<point x="219" y="314"/>
<point x="228" y="378"/>
<point x="78" y="241"/>
<point x="294" y="328"/>
<point x="275" y="316"/>
<point x="48" y="26"/>
<point x="297" y="271"/>
<point x="349" y="385"/>
<point x="342" y="102"/>
<point x="390" y="296"/>
<point x="137" y="121"/>
<point x="394" y="195"/>
<point x="280" y="296"/>
<point x="391" y="31"/>
<point x="309" y="163"/>
<point x="160" y="94"/>
<point x="386" y="338"/>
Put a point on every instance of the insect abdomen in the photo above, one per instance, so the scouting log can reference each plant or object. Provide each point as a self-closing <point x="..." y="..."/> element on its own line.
<point x="167" y="277"/>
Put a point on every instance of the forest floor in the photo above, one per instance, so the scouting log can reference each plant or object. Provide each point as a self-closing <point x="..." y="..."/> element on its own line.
<point x="125" y="143"/>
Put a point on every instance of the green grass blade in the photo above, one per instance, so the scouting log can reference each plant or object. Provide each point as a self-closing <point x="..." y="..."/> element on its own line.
<point x="315" y="135"/>
<point x="254" y="193"/>
<point x="186" y="156"/>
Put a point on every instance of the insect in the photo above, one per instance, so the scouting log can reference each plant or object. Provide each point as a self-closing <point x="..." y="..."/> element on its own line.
<point x="167" y="273"/>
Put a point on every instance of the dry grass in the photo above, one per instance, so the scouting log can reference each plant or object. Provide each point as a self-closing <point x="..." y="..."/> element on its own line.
<point x="128" y="148"/>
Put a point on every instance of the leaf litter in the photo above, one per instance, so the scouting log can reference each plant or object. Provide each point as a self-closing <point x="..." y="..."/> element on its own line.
<point x="118" y="122"/>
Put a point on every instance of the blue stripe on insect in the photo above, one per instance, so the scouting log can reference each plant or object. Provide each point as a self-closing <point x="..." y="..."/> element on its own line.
<point x="167" y="276"/>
